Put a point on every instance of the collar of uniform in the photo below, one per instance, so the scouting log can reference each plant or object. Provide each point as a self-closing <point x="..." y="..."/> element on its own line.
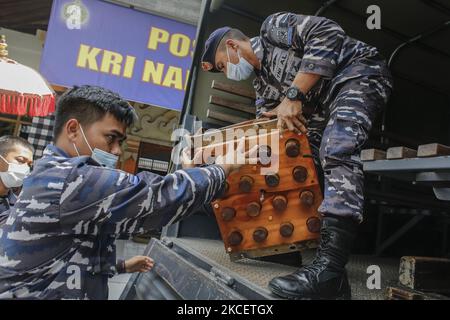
<point x="11" y="198"/>
<point x="259" y="52"/>
<point x="257" y="47"/>
<point x="52" y="150"/>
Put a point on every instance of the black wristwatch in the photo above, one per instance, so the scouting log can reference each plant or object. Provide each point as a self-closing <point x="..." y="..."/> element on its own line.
<point x="294" y="94"/>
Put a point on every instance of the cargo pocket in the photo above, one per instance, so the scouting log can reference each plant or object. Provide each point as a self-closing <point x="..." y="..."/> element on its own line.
<point x="344" y="136"/>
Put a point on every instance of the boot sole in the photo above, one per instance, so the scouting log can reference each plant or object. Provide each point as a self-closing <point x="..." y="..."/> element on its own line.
<point x="291" y="296"/>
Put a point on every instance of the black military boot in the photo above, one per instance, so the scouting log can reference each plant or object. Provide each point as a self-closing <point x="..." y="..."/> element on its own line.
<point x="326" y="277"/>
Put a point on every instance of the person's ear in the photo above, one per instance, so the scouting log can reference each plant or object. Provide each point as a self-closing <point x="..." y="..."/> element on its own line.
<point x="72" y="128"/>
<point x="3" y="165"/>
<point x="231" y="44"/>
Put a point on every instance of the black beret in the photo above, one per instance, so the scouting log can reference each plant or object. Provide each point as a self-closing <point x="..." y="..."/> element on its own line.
<point x="209" y="53"/>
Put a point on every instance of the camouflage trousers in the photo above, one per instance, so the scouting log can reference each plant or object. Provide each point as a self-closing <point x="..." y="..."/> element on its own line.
<point x="337" y="133"/>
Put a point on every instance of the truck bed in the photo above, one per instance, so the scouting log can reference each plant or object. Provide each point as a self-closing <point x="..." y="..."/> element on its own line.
<point x="195" y="268"/>
<point x="260" y="272"/>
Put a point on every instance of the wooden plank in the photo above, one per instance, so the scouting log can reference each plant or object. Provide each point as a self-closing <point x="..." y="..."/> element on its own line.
<point x="433" y="150"/>
<point x="224" y="117"/>
<point x="223" y="102"/>
<point x="216" y="123"/>
<point x="234" y="89"/>
<point x="403" y="293"/>
<point x="425" y="274"/>
<point x="400" y="153"/>
<point x="373" y="154"/>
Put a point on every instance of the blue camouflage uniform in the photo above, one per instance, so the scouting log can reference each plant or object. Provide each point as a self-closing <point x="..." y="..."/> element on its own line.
<point x="58" y="241"/>
<point x="5" y="203"/>
<point x="354" y="87"/>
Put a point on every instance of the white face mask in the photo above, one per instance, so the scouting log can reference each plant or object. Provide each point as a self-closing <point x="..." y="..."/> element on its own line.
<point x="240" y="71"/>
<point x="104" y="158"/>
<point x="15" y="174"/>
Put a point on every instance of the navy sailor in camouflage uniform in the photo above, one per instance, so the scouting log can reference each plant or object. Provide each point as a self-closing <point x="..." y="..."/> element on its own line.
<point x="317" y="80"/>
<point x="58" y="240"/>
<point x="16" y="159"/>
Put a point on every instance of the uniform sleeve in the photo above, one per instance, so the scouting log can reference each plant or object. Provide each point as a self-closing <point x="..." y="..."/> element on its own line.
<point x="262" y="104"/>
<point x="4" y="214"/>
<point x="318" y="39"/>
<point x="100" y="200"/>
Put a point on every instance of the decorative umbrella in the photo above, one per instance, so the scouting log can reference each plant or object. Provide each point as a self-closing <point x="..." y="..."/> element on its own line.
<point x="22" y="88"/>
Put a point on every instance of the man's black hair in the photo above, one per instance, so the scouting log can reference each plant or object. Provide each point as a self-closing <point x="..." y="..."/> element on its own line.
<point x="89" y="104"/>
<point x="8" y="143"/>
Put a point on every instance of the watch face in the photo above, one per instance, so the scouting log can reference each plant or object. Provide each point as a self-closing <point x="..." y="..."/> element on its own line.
<point x="291" y="93"/>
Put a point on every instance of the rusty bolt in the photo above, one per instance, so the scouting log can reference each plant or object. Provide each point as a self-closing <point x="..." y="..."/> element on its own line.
<point x="286" y="229"/>
<point x="260" y="234"/>
<point x="272" y="180"/>
<point x="300" y="174"/>
<point x="253" y="209"/>
<point x="279" y="203"/>
<point x="307" y="198"/>
<point x="235" y="238"/>
<point x="246" y="184"/>
<point x="313" y="224"/>
<point x="292" y="148"/>
<point x="228" y="214"/>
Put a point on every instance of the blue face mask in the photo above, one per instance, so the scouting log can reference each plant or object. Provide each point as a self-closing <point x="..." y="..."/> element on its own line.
<point x="104" y="158"/>
<point x="241" y="71"/>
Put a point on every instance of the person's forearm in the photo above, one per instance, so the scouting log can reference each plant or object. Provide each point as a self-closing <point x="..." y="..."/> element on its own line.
<point x="289" y="112"/>
<point x="178" y="194"/>
<point x="305" y="81"/>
